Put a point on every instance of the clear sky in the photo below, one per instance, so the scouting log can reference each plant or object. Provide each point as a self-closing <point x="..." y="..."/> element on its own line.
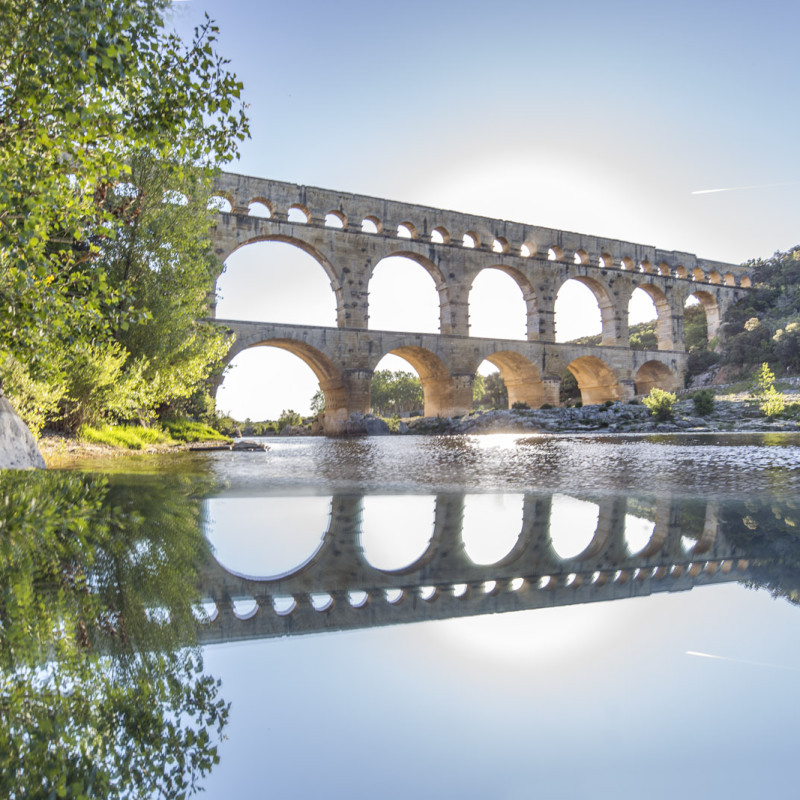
<point x="609" y="118"/>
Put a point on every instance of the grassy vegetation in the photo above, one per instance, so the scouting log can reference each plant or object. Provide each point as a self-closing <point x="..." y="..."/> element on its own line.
<point x="132" y="437"/>
<point x="184" y="430"/>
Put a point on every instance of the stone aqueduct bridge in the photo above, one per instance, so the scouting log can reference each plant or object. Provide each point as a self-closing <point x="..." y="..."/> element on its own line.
<point x="350" y="234"/>
<point x="338" y="589"/>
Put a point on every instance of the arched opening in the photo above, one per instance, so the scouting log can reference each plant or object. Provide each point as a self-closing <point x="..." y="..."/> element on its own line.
<point x="500" y="245"/>
<point x="654" y="375"/>
<point x="650" y="319"/>
<point x="491" y="527"/>
<point x="298" y="214"/>
<point x="396" y="389"/>
<point x="260" y="208"/>
<point x="470" y="240"/>
<point x="440" y="395"/>
<point x="555" y="253"/>
<point x="714" y="277"/>
<point x="606" y="261"/>
<point x="596" y="380"/>
<point x="175" y="198"/>
<point x="527" y="250"/>
<point x="405" y="294"/>
<point x="265" y="537"/>
<point x="693" y="322"/>
<point x="370" y="225"/>
<point x="396" y="530"/>
<point x="405" y="230"/>
<point x="274" y="280"/>
<point x="520" y="378"/>
<point x="335" y="219"/>
<point x="730" y="279"/>
<point x="584" y="310"/>
<point x="627" y="264"/>
<point x="220" y="203"/>
<point x="698" y="274"/>
<point x="499" y="304"/>
<point x="440" y="235"/>
<point x="573" y="525"/>
<point x="745" y="282"/>
<point x="580" y="256"/>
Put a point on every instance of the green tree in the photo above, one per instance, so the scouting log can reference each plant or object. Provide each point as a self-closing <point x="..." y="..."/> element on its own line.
<point x="318" y="402"/>
<point x="84" y="86"/>
<point x="496" y="394"/>
<point x="770" y="401"/>
<point x="395" y="392"/>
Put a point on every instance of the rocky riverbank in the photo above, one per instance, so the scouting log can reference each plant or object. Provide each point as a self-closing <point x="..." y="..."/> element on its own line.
<point x="728" y="415"/>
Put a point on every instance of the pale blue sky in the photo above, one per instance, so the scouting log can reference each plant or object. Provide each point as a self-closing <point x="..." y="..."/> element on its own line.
<point x="600" y="117"/>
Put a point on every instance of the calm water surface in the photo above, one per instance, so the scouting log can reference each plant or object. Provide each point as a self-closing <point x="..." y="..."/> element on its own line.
<point x="486" y="616"/>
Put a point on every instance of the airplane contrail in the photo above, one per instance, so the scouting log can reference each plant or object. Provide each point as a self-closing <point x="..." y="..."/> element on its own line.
<point x="739" y="188"/>
<point x="742" y="661"/>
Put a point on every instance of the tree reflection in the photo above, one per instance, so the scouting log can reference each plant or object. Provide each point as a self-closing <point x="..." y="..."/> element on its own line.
<point x="101" y="693"/>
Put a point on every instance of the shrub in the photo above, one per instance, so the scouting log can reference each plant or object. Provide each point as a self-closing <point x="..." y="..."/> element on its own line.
<point x="519" y="406"/>
<point x="35" y="401"/>
<point x="290" y="418"/>
<point x="608" y="403"/>
<point x="770" y="400"/>
<point x="661" y="403"/>
<point x="703" y="402"/>
<point x="545" y="406"/>
<point x="185" y="430"/>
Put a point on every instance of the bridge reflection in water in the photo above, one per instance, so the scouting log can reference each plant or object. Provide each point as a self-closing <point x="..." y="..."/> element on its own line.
<point x="337" y="588"/>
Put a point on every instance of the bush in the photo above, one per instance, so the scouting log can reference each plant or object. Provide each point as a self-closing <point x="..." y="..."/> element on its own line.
<point x="608" y="403"/>
<point x="770" y="400"/>
<point x="703" y="402"/>
<point x="290" y="418"/>
<point x="185" y="430"/>
<point x="661" y="403"/>
<point x="520" y="406"/>
<point x="545" y="406"/>
<point x="35" y="401"/>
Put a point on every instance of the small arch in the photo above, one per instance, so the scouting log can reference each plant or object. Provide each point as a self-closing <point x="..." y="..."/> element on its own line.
<point x="573" y="526"/>
<point x="471" y="240"/>
<point x="654" y="375"/>
<point x="371" y="224"/>
<point x="626" y="263"/>
<point x="664" y="269"/>
<point x="555" y="253"/>
<point x="745" y="282"/>
<point x="220" y="203"/>
<point x="730" y="279"/>
<point x="405" y="230"/>
<point x="500" y="245"/>
<point x="335" y="219"/>
<point x="646" y="267"/>
<point x="580" y="256"/>
<point x="596" y="380"/>
<point x="527" y="250"/>
<point x="491" y="526"/>
<point x="699" y="275"/>
<point x="298" y="214"/>
<point x="605" y="261"/>
<point x="714" y="277"/>
<point x="440" y="235"/>
<point x="260" y="207"/>
<point x="681" y="272"/>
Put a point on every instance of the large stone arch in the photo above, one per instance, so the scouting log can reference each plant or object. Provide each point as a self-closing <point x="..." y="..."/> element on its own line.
<point x="438" y="387"/>
<point x="711" y="307"/>
<point x="655" y="374"/>
<point x="596" y="380"/>
<point x="608" y="312"/>
<point x="533" y="318"/>
<point x="522" y="379"/>
<point x="446" y="315"/>
<point x="333" y="382"/>
<point x="665" y="328"/>
<point x="339" y="293"/>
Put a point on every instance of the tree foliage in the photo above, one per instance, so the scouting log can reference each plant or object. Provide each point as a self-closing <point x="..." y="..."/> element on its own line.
<point x="84" y="88"/>
<point x="395" y="393"/>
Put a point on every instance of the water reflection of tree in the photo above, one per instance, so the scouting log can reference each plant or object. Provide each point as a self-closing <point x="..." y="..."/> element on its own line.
<point x="101" y="694"/>
<point x="767" y="533"/>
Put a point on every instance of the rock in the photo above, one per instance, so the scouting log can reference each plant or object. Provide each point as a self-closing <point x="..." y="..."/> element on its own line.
<point x="18" y="448"/>
<point x="247" y="445"/>
<point x="365" y="425"/>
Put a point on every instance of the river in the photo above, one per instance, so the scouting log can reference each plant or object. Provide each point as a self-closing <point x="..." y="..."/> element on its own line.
<point x="489" y="616"/>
